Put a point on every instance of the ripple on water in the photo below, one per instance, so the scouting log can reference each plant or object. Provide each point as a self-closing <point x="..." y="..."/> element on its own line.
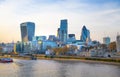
<point x="51" y="68"/>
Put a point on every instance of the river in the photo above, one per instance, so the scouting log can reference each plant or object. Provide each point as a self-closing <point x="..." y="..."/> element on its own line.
<point x="52" y="68"/>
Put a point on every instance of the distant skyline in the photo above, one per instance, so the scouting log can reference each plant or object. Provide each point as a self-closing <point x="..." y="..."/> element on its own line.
<point x="101" y="17"/>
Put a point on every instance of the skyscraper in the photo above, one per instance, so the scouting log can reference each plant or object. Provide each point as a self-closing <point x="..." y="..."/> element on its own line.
<point x="72" y="36"/>
<point x="118" y="43"/>
<point x="85" y="34"/>
<point x="39" y="38"/>
<point x="58" y="33"/>
<point x="106" y="40"/>
<point x="52" y="38"/>
<point x="63" y="31"/>
<point x="27" y="31"/>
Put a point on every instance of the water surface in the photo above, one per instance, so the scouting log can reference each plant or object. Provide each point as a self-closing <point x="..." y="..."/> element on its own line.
<point x="51" y="68"/>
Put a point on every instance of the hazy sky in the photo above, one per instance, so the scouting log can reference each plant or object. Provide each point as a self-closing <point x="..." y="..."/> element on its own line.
<point x="101" y="17"/>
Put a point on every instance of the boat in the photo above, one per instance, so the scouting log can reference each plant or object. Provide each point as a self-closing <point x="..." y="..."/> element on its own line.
<point x="6" y="60"/>
<point x="33" y="58"/>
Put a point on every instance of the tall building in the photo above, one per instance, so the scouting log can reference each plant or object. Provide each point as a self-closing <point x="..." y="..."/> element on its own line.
<point x="63" y="31"/>
<point x="118" y="43"/>
<point x="52" y="38"/>
<point x="71" y="38"/>
<point x="58" y="33"/>
<point x="27" y="31"/>
<point x="106" y="40"/>
<point x="85" y="34"/>
<point x="39" y="38"/>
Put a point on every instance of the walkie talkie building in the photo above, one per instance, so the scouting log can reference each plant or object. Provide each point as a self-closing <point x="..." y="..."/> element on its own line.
<point x="27" y="31"/>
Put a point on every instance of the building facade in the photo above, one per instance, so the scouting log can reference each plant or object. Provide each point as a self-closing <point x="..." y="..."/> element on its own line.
<point x="71" y="38"/>
<point x="39" y="38"/>
<point x="106" y="40"/>
<point x="58" y="33"/>
<point x="52" y="38"/>
<point x="27" y="31"/>
<point x="118" y="43"/>
<point x="63" y="31"/>
<point x="49" y="43"/>
<point x="85" y="35"/>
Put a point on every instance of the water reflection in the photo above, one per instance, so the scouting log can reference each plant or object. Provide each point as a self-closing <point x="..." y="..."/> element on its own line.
<point x="51" y="68"/>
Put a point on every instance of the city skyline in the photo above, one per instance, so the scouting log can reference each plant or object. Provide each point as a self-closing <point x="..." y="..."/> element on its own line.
<point x="101" y="17"/>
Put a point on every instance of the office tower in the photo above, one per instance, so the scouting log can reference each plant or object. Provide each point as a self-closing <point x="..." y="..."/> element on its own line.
<point x="118" y="43"/>
<point x="58" y="33"/>
<point x="106" y="40"/>
<point x="52" y="38"/>
<point x="72" y="36"/>
<point x="63" y="31"/>
<point x="27" y="31"/>
<point x="39" y="38"/>
<point x="85" y="34"/>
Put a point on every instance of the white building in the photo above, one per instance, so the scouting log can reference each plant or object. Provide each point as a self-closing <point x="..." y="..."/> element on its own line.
<point x="118" y="43"/>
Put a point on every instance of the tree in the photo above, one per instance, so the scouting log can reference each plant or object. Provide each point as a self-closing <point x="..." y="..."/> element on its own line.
<point x="112" y="46"/>
<point x="64" y="50"/>
<point x="61" y="50"/>
<point x="57" y="51"/>
<point x="72" y="48"/>
<point x="0" y="49"/>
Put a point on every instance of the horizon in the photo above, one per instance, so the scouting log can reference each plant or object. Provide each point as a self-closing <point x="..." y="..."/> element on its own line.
<point x="101" y="17"/>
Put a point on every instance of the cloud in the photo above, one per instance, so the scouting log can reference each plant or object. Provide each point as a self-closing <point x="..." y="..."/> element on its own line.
<point x="97" y="15"/>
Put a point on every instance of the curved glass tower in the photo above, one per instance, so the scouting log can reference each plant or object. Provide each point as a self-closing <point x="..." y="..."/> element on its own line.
<point x="85" y="34"/>
<point x="27" y="31"/>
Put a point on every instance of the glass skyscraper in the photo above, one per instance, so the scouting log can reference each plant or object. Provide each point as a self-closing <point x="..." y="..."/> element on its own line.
<point x="118" y="43"/>
<point x="106" y="40"/>
<point x="63" y="31"/>
<point x="85" y="35"/>
<point x="27" y="31"/>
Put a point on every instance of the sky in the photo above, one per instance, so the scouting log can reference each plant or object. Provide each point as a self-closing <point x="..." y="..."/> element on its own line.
<point x="101" y="17"/>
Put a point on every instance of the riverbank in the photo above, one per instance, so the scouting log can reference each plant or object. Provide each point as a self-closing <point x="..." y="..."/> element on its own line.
<point x="115" y="61"/>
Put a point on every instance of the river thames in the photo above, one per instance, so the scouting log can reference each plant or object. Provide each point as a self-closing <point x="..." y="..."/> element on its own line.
<point x="52" y="68"/>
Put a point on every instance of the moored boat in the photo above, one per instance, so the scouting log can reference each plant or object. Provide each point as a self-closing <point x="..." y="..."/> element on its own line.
<point x="6" y="60"/>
